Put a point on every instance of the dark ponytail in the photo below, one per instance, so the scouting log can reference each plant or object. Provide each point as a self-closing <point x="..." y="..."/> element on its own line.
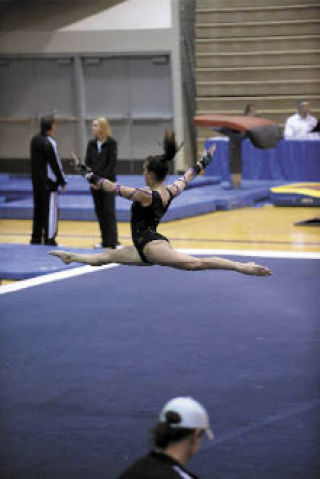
<point x="169" y="146"/>
<point x="159" y="164"/>
<point x="164" y="434"/>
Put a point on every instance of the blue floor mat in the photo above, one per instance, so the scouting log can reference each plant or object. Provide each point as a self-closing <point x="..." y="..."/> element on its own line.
<point x="88" y="362"/>
<point x="80" y="207"/>
<point x="21" y="261"/>
<point x="249" y="193"/>
<point x="15" y="187"/>
<point x="192" y="202"/>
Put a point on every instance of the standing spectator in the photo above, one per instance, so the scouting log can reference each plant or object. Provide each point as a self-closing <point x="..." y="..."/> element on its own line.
<point x="101" y="157"/>
<point x="47" y="175"/>
<point x="176" y="439"/>
<point x="301" y="124"/>
<point x="250" y="110"/>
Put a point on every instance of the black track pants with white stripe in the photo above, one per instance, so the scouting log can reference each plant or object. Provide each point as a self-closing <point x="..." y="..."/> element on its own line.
<point x="45" y="215"/>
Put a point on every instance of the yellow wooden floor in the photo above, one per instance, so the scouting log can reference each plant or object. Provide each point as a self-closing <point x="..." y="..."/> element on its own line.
<point x="265" y="228"/>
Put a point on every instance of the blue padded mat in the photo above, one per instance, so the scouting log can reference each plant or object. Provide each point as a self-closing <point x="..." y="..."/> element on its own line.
<point x="293" y="200"/>
<point x="249" y="193"/>
<point x="80" y="207"/>
<point x="88" y="362"/>
<point x="192" y="202"/>
<point x="296" y="194"/>
<point x="21" y="261"/>
<point x="15" y="187"/>
<point x="4" y="177"/>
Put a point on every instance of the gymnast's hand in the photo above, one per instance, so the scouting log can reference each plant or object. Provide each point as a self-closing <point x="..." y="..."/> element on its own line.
<point x="207" y="157"/>
<point x="75" y="160"/>
<point x="80" y="168"/>
<point x="94" y="187"/>
<point x="94" y="180"/>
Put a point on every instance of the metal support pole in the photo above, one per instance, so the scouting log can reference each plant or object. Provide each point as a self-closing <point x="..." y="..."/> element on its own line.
<point x="80" y="106"/>
<point x="176" y="79"/>
<point x="235" y="160"/>
<point x="130" y="119"/>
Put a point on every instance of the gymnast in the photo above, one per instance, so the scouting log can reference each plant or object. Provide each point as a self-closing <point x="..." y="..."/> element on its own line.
<point x="149" y="204"/>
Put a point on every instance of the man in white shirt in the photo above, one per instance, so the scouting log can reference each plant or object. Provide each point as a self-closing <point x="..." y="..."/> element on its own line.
<point x="301" y="124"/>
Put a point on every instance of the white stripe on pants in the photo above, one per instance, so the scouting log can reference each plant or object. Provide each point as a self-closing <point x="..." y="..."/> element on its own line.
<point x="53" y="215"/>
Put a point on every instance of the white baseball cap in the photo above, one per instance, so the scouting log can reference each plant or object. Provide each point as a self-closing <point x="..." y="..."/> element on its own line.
<point x="193" y="415"/>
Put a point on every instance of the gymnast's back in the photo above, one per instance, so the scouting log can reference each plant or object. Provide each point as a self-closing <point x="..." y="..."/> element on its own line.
<point x="148" y="217"/>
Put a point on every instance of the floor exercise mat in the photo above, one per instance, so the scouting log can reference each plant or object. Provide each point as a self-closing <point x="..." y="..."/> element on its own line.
<point x="88" y="362"/>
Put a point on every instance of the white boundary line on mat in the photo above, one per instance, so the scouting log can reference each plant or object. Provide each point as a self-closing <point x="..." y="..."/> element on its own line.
<point x="253" y="253"/>
<point x="51" y="277"/>
<point x="70" y="273"/>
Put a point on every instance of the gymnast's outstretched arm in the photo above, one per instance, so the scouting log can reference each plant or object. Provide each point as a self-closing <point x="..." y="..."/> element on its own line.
<point x="142" y="195"/>
<point x="179" y="185"/>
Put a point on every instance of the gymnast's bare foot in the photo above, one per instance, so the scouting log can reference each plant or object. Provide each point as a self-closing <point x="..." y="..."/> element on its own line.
<point x="63" y="255"/>
<point x="254" y="269"/>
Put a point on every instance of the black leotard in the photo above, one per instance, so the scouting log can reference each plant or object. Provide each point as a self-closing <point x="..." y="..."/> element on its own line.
<point x="145" y="220"/>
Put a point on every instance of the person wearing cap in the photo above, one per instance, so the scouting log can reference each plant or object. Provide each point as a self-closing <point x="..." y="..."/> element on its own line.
<point x="176" y="438"/>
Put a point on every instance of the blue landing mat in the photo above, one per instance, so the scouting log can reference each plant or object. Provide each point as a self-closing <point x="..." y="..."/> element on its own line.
<point x="88" y="362"/>
<point x="20" y="187"/>
<point x="192" y="202"/>
<point x="250" y="193"/>
<point x="20" y="261"/>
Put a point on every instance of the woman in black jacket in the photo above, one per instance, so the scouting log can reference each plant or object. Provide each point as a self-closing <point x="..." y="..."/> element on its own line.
<point x="101" y="157"/>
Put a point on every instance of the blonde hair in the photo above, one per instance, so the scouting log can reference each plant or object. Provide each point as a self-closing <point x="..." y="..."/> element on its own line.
<point x="105" y="126"/>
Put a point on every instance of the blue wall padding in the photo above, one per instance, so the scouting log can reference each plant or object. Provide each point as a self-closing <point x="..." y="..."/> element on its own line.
<point x="292" y="160"/>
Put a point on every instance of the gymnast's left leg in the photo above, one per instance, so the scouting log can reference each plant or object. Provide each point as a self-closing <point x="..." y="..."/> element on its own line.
<point x="127" y="255"/>
<point x="161" y="253"/>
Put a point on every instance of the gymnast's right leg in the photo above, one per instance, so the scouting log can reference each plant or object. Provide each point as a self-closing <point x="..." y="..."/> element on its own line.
<point x="127" y="255"/>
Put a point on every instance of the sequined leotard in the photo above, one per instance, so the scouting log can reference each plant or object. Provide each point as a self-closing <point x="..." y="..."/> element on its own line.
<point x="145" y="220"/>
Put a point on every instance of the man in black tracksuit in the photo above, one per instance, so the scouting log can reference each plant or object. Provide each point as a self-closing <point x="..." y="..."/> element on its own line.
<point x="101" y="157"/>
<point x="47" y="175"/>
